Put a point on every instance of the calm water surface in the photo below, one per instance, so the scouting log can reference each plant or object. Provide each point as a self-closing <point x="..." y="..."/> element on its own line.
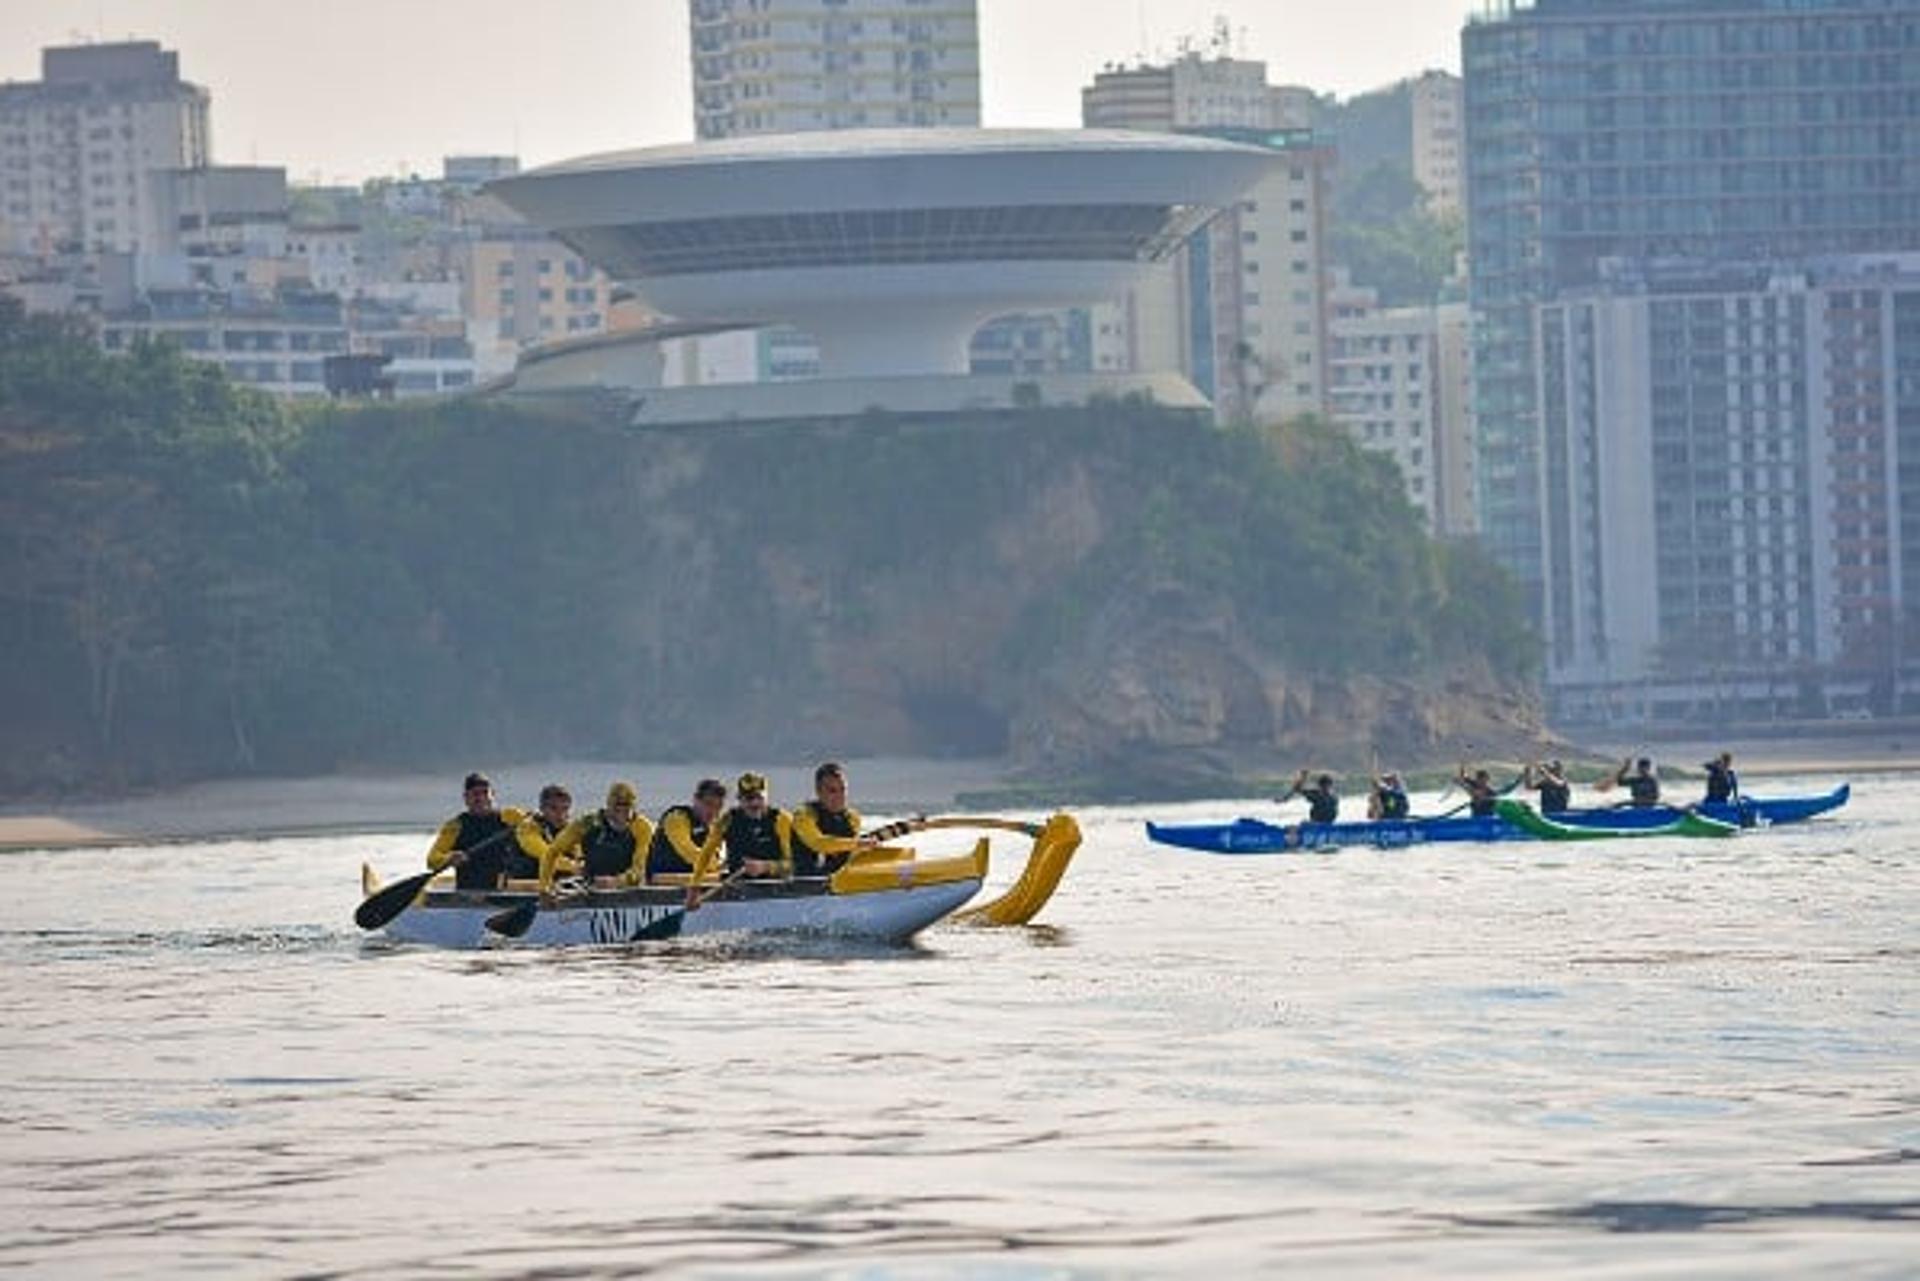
<point x="1630" y="1059"/>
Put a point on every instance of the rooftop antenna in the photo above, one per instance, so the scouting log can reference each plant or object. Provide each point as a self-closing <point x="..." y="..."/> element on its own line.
<point x="1222" y="41"/>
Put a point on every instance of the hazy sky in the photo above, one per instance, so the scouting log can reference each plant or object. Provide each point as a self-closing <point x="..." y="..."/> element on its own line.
<point x="347" y="89"/>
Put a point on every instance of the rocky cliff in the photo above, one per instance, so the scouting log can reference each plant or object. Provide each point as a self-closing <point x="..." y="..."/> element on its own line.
<point x="1115" y="597"/>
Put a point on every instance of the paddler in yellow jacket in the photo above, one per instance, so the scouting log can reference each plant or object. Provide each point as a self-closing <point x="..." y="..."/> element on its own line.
<point x="826" y="830"/>
<point x="608" y="846"/>
<point x="537" y="832"/>
<point x="684" y="829"/>
<point x="757" y="835"/>
<point x="477" y="841"/>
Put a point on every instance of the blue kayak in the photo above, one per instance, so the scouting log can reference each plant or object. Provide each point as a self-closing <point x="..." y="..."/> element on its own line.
<point x="1748" y="811"/>
<point x="1252" y="836"/>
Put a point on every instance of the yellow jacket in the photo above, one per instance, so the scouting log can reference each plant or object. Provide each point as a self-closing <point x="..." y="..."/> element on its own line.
<point x="806" y="829"/>
<point x="679" y="834"/>
<point x="702" y="862"/>
<point x="559" y="856"/>
<point x="443" y="841"/>
<point x="531" y="837"/>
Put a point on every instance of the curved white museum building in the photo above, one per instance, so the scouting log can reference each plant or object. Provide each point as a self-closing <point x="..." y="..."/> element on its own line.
<point x="888" y="247"/>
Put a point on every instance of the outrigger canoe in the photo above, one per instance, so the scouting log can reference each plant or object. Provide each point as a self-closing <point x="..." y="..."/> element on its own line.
<point x="1253" y="836"/>
<point x="1522" y="816"/>
<point x="886" y="894"/>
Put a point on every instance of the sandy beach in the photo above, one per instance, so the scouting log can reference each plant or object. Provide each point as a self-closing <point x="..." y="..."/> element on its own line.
<point x="270" y="807"/>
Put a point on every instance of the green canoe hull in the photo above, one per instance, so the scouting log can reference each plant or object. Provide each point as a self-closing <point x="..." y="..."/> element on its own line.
<point x="1523" y="816"/>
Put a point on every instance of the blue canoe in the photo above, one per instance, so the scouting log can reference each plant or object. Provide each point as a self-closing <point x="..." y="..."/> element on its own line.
<point x="1252" y="836"/>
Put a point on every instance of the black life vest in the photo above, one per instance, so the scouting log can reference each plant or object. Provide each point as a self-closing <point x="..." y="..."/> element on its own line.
<point x="522" y="866"/>
<point x="605" y="849"/>
<point x="1322" y="805"/>
<point x="808" y="861"/>
<point x="1555" y="798"/>
<point x="1645" y="790"/>
<point x="1393" y="803"/>
<point x="661" y="856"/>
<point x="483" y="869"/>
<point x="1481" y="799"/>
<point x="1720" y="783"/>
<point x="749" y="837"/>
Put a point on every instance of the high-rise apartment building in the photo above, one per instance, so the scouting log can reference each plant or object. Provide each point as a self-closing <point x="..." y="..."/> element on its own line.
<point x="793" y="66"/>
<point x="1437" y="107"/>
<point x="1252" y="287"/>
<point x="1192" y="92"/>
<point x="78" y="145"/>
<point x="1741" y="534"/>
<point x="1397" y="381"/>
<point x="1651" y="130"/>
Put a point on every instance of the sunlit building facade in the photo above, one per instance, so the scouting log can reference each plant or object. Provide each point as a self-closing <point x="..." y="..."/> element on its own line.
<point x="1740" y="530"/>
<point x="78" y="145"/>
<point x="1657" y="130"/>
<point x="1250" y="295"/>
<point x="793" y="66"/>
<point x="1437" y="139"/>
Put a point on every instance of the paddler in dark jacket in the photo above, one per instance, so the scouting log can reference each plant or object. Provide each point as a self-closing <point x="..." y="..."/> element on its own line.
<point x="1642" y="784"/>
<point x="608" y="846"/>
<point x="1323" y="803"/>
<point x="1550" y="780"/>
<point x="1482" y="795"/>
<point x="757" y="836"/>
<point x="534" y="838"/>
<point x="1389" y="798"/>
<point x="683" y="830"/>
<point x="826" y="830"/>
<point x="1723" y="785"/>
<point x="476" y="842"/>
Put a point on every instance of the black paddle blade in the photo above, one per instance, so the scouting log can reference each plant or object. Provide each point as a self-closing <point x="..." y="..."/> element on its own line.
<point x="384" y="904"/>
<point x="666" y="927"/>
<point x="516" y="920"/>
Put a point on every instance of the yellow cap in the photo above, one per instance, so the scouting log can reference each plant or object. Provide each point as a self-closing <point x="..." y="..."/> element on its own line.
<point x="751" y="782"/>
<point x="622" y="794"/>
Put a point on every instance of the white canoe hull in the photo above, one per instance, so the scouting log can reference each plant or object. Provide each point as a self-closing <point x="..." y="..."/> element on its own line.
<point x="456" y="920"/>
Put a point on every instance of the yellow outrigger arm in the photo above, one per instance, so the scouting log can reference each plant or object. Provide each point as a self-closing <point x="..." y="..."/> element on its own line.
<point x="1054" y="843"/>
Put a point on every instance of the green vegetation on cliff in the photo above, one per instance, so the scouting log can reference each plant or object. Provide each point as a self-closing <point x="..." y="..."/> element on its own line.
<point x="200" y="581"/>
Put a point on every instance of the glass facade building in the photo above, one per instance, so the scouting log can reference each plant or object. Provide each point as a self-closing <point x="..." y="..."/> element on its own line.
<point x="1660" y="130"/>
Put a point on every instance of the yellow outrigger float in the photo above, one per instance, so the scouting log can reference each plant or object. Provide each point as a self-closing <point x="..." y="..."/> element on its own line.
<point x="885" y="894"/>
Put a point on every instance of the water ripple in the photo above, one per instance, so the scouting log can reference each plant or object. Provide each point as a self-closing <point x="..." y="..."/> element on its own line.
<point x="1508" y="1063"/>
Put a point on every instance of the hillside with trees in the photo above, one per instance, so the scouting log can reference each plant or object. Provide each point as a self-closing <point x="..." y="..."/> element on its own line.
<point x="1382" y="231"/>
<point x="201" y="582"/>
